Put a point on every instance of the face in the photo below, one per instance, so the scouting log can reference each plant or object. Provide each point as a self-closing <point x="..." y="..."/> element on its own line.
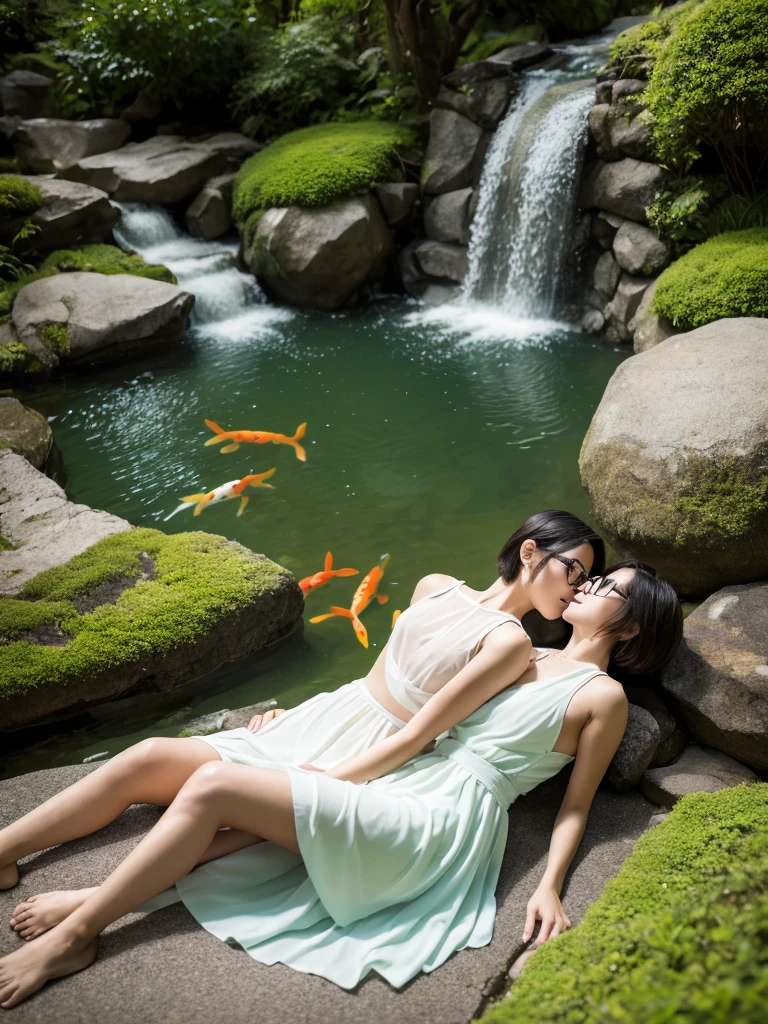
<point x="590" y="611"/>
<point x="550" y="591"/>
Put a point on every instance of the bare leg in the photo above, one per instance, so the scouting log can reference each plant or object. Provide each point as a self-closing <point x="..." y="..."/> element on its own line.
<point x="152" y="771"/>
<point x="38" y="913"/>
<point x="255" y="800"/>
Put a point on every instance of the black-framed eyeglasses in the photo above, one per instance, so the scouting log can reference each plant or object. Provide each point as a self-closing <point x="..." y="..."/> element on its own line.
<point x="576" y="573"/>
<point x="604" y="586"/>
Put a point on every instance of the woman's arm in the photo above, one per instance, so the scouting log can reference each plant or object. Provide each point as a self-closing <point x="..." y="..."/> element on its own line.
<point x="502" y="659"/>
<point x="598" y="742"/>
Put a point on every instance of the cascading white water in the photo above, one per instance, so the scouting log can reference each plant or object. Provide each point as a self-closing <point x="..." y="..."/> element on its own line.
<point x="521" y="241"/>
<point x="228" y="303"/>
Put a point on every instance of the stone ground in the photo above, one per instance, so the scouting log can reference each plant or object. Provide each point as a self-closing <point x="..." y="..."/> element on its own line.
<point x="163" y="968"/>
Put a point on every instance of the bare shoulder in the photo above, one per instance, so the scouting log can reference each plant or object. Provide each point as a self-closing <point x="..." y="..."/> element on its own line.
<point x="431" y="584"/>
<point x="606" y="696"/>
<point x="506" y="637"/>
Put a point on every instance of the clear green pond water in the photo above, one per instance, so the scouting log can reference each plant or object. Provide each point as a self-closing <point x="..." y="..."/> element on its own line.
<point x="425" y="440"/>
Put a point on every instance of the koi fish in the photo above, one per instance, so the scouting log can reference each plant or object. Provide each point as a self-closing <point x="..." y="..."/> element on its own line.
<point x="231" y="489"/>
<point x="324" y="575"/>
<point x="362" y="598"/>
<point x="238" y="437"/>
<point x="395" y="616"/>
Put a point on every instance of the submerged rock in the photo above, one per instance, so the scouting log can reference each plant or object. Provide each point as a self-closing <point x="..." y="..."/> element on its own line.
<point x="319" y="258"/>
<point x="674" y="462"/>
<point x="25" y="432"/>
<point x="83" y="317"/>
<point x="718" y="680"/>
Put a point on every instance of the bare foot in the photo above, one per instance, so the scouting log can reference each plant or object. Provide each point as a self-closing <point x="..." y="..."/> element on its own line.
<point x="54" y="955"/>
<point x="37" y="914"/>
<point x="9" y="876"/>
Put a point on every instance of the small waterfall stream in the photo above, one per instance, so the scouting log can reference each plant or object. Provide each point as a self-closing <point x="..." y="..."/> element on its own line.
<point x="229" y="305"/>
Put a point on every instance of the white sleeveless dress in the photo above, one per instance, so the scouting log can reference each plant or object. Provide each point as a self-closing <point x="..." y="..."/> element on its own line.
<point x="397" y="874"/>
<point x="431" y="641"/>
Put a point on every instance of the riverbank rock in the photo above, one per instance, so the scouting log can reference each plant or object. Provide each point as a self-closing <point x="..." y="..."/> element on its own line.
<point x="626" y="187"/>
<point x="649" y="329"/>
<point x="136" y="612"/>
<point x="43" y="527"/>
<point x="397" y="199"/>
<point x="25" y="432"/>
<point x="697" y="770"/>
<point x="84" y="317"/>
<point x="638" y="250"/>
<point x="675" y="463"/>
<point x="455" y="153"/>
<point x="71" y="214"/>
<point x="164" y="169"/>
<point x="188" y="976"/>
<point x="319" y="258"/>
<point x="25" y="94"/>
<point x="671" y="735"/>
<point x="485" y="103"/>
<point x="210" y="213"/>
<point x="504" y="63"/>
<point x="621" y="310"/>
<point x="638" y="745"/>
<point x="447" y="217"/>
<point x="718" y="680"/>
<point x="49" y="144"/>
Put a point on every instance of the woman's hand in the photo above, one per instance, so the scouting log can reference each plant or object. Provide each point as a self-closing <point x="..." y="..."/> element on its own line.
<point x="545" y="905"/>
<point x="259" y="721"/>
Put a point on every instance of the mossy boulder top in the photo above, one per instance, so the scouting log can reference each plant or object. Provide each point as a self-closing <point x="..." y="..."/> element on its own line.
<point x="138" y="610"/>
<point x="675" y="458"/>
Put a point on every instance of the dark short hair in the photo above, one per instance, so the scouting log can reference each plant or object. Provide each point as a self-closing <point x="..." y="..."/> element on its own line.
<point x="654" y="606"/>
<point x="554" y="533"/>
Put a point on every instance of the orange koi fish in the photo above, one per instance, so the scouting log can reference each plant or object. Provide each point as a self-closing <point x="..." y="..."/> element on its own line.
<point x="326" y="574"/>
<point x="238" y="437"/>
<point x="363" y="597"/>
<point x="232" y="489"/>
<point x="395" y="616"/>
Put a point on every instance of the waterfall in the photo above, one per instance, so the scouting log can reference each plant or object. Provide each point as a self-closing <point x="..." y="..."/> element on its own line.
<point x="521" y="237"/>
<point x="229" y="305"/>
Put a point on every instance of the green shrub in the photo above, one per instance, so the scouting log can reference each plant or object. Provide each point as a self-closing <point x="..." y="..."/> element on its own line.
<point x="633" y="51"/>
<point x="15" y="357"/>
<point x="680" y="935"/>
<point x="726" y="276"/>
<point x="709" y="87"/>
<point x="200" y="579"/>
<point x="314" y="166"/>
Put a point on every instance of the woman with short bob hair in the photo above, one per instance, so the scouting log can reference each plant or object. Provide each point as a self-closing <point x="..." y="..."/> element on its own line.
<point x="397" y="874"/>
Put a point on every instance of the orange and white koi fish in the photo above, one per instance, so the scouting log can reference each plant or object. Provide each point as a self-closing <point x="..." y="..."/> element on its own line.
<point x="324" y="575"/>
<point x="232" y="489"/>
<point x="362" y="598"/>
<point x="238" y="437"/>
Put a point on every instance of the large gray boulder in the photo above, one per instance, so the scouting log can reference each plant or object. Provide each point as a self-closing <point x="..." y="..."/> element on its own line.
<point x="675" y="458"/>
<point x="25" y="432"/>
<point x="164" y="169"/>
<point x="210" y="213"/>
<point x="638" y="250"/>
<point x="638" y="745"/>
<point x="485" y="103"/>
<point x="454" y="153"/>
<point x="447" y="217"/>
<point x="71" y="214"/>
<point x="718" y="680"/>
<point x="631" y="135"/>
<point x="25" y="94"/>
<point x="49" y="144"/>
<point x="626" y="187"/>
<point x="671" y="735"/>
<point x="45" y="528"/>
<point x="319" y="258"/>
<point x="84" y="317"/>
<point x="649" y="329"/>
<point x="697" y="770"/>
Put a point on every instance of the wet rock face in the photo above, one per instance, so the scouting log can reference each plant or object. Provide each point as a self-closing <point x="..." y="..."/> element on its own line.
<point x="24" y="432"/>
<point x="455" y="153"/>
<point x="675" y="464"/>
<point x="718" y="680"/>
<point x="318" y="259"/>
<point x="83" y="317"/>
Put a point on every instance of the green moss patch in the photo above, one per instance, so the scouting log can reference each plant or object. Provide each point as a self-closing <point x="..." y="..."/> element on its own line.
<point x="680" y="935"/>
<point x="97" y="259"/>
<point x="15" y="358"/>
<point x="18" y="197"/>
<point x="726" y="276"/>
<point x="56" y="337"/>
<point x="314" y="166"/>
<point x="199" y="579"/>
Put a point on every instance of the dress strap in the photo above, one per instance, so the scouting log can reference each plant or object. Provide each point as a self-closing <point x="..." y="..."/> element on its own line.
<point x="451" y="586"/>
<point x="494" y="780"/>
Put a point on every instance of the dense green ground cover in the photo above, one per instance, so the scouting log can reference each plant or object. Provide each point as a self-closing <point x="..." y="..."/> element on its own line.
<point x="680" y="935"/>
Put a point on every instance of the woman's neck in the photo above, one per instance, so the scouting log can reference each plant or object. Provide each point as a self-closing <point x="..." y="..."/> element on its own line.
<point x="591" y="650"/>
<point x="512" y="598"/>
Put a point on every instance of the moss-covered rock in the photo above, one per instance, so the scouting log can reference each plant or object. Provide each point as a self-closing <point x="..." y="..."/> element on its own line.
<point x="726" y="276"/>
<point x="315" y="166"/>
<point x="136" y="611"/>
<point x="18" y="197"/>
<point x="678" y="935"/>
